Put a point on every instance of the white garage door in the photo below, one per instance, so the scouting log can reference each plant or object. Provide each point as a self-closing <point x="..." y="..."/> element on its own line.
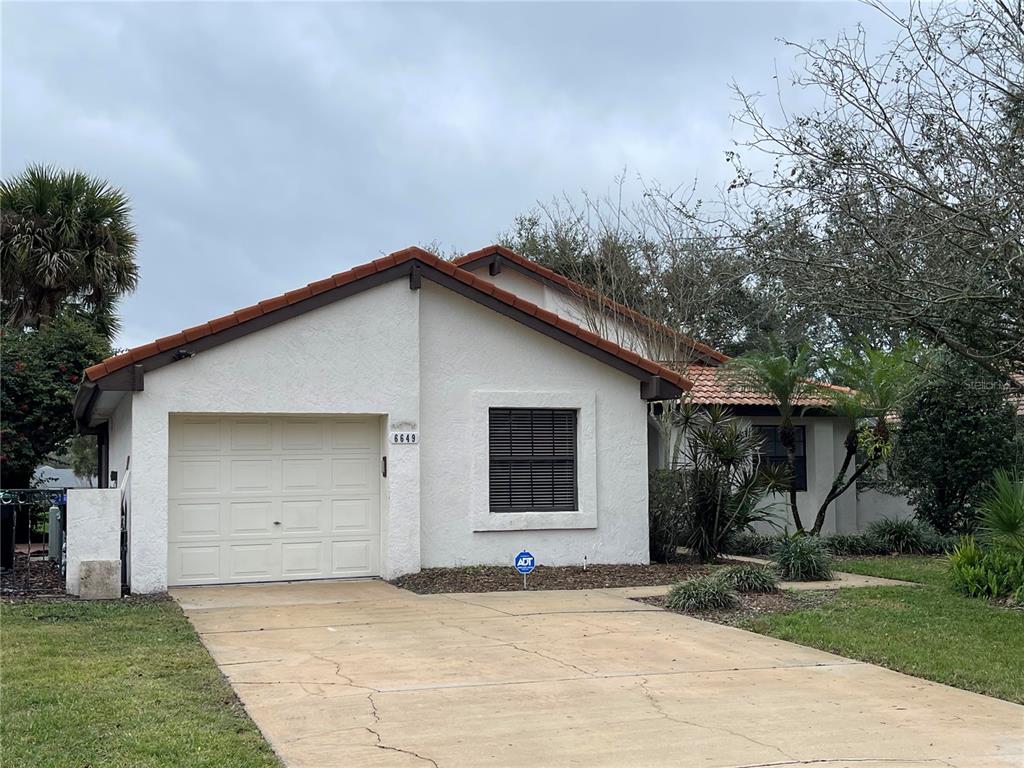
<point x="269" y="498"/>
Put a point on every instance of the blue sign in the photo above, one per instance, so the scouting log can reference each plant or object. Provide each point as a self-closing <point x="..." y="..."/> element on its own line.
<point x="525" y="562"/>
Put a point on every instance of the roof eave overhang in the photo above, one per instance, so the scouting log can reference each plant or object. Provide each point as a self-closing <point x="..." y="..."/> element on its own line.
<point x="496" y="259"/>
<point x="132" y="377"/>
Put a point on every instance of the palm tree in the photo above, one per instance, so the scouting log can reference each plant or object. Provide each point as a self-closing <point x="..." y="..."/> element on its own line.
<point x="66" y="238"/>
<point x="785" y="375"/>
<point x="877" y="383"/>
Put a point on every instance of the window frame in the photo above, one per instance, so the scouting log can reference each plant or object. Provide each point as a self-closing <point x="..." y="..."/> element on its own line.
<point x="553" y="459"/>
<point x="800" y="475"/>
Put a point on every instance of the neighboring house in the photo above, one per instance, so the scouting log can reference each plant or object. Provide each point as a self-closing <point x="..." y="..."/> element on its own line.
<point x="403" y="414"/>
<point x="408" y="413"/>
<point x="820" y="434"/>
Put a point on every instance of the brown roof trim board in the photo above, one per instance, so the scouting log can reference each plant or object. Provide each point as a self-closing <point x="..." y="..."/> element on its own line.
<point x="497" y="256"/>
<point x="126" y="371"/>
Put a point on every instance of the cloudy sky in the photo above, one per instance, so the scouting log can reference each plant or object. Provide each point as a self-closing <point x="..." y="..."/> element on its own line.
<point x="267" y="145"/>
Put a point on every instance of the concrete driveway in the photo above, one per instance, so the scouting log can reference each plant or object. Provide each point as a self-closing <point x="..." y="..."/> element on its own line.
<point x="364" y="674"/>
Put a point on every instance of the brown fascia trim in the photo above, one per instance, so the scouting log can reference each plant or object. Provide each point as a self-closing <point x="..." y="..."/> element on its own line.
<point x="496" y="260"/>
<point x="654" y="386"/>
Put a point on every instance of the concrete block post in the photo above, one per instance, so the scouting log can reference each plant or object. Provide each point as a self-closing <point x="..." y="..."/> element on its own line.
<point x="55" y="535"/>
<point x="94" y="543"/>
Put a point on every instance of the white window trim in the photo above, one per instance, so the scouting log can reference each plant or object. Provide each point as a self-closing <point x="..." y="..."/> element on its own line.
<point x="585" y="514"/>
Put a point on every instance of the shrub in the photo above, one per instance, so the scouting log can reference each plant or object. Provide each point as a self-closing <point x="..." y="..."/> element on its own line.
<point x="704" y="593"/>
<point x="721" y="487"/>
<point x="933" y="542"/>
<point x="666" y="508"/>
<point x="840" y="544"/>
<point x="992" y="573"/>
<point x="900" y="536"/>
<point x="1002" y="511"/>
<point x="802" y="558"/>
<point x="955" y="431"/>
<point x="748" y="578"/>
<point x="749" y="543"/>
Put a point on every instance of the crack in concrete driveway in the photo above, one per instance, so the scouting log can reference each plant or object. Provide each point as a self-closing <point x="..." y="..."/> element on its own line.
<point x="366" y="674"/>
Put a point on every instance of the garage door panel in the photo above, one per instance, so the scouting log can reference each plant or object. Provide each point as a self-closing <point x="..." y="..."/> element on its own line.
<point x="353" y="434"/>
<point x="356" y="474"/>
<point x="195" y="520"/>
<point x="353" y="557"/>
<point x="302" y="558"/>
<point x="254" y="498"/>
<point x="302" y="435"/>
<point x="302" y="516"/>
<point x="196" y="563"/>
<point x="251" y="435"/>
<point x="197" y="435"/>
<point x="250" y="518"/>
<point x="252" y="475"/>
<point x="253" y="561"/>
<point x="354" y="516"/>
<point x="197" y="476"/>
<point x="303" y="474"/>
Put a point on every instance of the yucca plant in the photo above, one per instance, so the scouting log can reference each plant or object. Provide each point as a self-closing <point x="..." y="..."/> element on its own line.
<point x="1002" y="511"/>
<point x="723" y="490"/>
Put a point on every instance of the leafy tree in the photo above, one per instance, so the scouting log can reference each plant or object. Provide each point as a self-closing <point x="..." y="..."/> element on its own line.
<point x="657" y="263"/>
<point x="82" y="457"/>
<point x="66" y="238"/>
<point x="899" y="202"/>
<point x="877" y="384"/>
<point x="785" y="375"/>
<point x="39" y="374"/>
<point x="956" y="429"/>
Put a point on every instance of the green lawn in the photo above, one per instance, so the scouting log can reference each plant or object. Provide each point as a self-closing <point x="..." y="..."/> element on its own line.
<point x="928" y="630"/>
<point x="116" y="684"/>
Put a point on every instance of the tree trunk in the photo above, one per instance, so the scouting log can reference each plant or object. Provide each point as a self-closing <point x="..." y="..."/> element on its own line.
<point x="837" y="485"/>
<point x="788" y="440"/>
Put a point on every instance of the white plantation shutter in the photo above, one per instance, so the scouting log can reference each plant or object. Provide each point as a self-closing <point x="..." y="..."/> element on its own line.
<point x="532" y="460"/>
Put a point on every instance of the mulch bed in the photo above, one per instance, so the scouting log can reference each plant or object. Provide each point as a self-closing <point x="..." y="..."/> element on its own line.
<point x="31" y="579"/>
<point x="503" y="578"/>
<point x="751" y="606"/>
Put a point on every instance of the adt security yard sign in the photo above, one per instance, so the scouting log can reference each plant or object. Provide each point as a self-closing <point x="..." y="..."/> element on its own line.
<point x="525" y="563"/>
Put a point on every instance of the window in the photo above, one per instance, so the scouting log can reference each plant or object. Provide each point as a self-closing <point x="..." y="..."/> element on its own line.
<point x="774" y="452"/>
<point x="532" y="459"/>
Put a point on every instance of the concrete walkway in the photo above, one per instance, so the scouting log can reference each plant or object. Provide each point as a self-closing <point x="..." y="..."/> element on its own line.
<point x="364" y="674"/>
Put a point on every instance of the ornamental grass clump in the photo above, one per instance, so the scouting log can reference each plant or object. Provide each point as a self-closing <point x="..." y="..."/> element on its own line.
<point x="748" y="578"/>
<point x="704" y="593"/>
<point x="902" y="537"/>
<point x="802" y="558"/>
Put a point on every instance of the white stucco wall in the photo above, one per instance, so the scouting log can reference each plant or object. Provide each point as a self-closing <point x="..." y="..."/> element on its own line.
<point x="94" y="529"/>
<point x="623" y="332"/>
<point x="474" y="358"/>
<point x="358" y="355"/>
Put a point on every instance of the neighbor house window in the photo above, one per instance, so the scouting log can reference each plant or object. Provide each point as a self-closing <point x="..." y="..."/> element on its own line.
<point x="774" y="452"/>
<point x="532" y="459"/>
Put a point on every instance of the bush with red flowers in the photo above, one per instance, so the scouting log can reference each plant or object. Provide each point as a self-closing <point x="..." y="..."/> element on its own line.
<point x="39" y="375"/>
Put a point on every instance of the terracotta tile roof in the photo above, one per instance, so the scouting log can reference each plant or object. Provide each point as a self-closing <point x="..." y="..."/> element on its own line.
<point x="267" y="306"/>
<point x="581" y="290"/>
<point x="711" y="386"/>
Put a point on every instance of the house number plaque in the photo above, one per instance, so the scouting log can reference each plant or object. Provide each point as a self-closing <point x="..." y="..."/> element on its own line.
<point x="404" y="438"/>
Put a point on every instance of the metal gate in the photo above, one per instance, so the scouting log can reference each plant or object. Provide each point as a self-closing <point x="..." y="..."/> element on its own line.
<point x="32" y="556"/>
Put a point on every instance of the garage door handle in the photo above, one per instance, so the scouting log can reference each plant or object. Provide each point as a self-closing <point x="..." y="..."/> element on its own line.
<point x="277" y="522"/>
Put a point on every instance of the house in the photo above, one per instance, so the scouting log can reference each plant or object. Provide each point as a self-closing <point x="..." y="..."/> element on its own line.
<point x="407" y="413"/>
